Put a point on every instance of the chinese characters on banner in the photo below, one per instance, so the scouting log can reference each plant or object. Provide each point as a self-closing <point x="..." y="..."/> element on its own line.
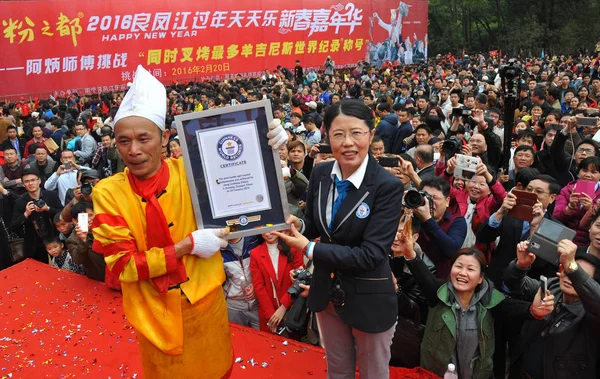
<point x="53" y="47"/>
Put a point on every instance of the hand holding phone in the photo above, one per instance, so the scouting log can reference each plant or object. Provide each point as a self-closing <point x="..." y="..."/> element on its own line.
<point x="543" y="285"/>
<point x="82" y="222"/>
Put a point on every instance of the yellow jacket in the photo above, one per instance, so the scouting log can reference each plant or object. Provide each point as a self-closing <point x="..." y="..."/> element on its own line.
<point x="120" y="234"/>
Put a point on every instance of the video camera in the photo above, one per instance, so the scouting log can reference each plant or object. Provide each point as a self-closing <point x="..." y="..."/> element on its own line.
<point x="302" y="276"/>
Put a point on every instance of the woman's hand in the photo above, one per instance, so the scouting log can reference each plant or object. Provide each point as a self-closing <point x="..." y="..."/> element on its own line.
<point x="293" y="238"/>
<point x="276" y="319"/>
<point x="585" y="200"/>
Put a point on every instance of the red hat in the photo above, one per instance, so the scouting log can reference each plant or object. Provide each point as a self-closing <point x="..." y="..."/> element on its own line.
<point x="22" y="98"/>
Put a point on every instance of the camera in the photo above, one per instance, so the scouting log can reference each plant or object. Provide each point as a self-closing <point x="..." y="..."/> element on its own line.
<point x="388" y="161"/>
<point x="415" y="199"/>
<point x="451" y="146"/>
<point x="86" y="188"/>
<point x="302" y="276"/>
<point x="39" y="203"/>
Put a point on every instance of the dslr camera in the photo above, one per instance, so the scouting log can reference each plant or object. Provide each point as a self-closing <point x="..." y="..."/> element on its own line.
<point x="451" y="146"/>
<point x="86" y="188"/>
<point x="415" y="199"/>
<point x="302" y="276"/>
<point x="39" y="203"/>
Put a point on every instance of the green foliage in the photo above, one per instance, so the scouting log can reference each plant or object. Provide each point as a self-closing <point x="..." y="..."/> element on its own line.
<point x="517" y="27"/>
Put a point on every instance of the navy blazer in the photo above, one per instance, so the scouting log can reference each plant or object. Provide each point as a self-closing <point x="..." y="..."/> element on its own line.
<point x="356" y="250"/>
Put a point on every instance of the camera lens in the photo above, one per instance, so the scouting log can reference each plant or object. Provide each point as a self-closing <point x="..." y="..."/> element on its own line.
<point x="414" y="199"/>
<point x="86" y="189"/>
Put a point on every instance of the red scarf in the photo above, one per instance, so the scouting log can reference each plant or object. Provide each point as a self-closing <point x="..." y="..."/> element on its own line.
<point x="156" y="222"/>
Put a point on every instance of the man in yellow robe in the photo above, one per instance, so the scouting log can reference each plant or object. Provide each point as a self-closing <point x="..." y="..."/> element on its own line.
<point x="146" y="229"/>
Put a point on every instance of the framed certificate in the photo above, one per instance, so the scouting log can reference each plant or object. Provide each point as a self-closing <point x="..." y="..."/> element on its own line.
<point x="234" y="176"/>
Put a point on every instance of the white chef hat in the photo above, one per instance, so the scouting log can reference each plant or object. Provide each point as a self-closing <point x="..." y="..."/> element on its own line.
<point x="145" y="98"/>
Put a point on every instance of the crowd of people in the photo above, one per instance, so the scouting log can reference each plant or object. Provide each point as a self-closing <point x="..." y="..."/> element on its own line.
<point x="460" y="260"/>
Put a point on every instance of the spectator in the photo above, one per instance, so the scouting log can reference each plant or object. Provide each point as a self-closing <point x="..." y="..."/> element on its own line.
<point x="443" y="232"/>
<point x="12" y="171"/>
<point x="65" y="177"/>
<point x="242" y="304"/>
<point x="88" y="145"/>
<point x="314" y="134"/>
<point x="60" y="257"/>
<point x="565" y="340"/>
<point x="38" y="138"/>
<point x="424" y="159"/>
<point x="386" y="129"/>
<point x="13" y="141"/>
<point x="43" y="164"/>
<point x="481" y="196"/>
<point x="571" y="205"/>
<point x="32" y="218"/>
<point x="270" y="264"/>
<point x="405" y="129"/>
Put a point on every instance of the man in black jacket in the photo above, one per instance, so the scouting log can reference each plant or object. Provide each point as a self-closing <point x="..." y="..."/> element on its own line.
<point x="14" y="141"/>
<point x="386" y="129"/>
<point x="564" y="344"/>
<point x="33" y="215"/>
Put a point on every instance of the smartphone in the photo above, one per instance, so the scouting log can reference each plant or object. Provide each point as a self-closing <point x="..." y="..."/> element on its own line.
<point x="67" y="165"/>
<point x="82" y="221"/>
<point x="543" y="285"/>
<point x="586" y="121"/>
<point x="232" y="101"/>
<point x="325" y="149"/>
<point x="386" y="161"/>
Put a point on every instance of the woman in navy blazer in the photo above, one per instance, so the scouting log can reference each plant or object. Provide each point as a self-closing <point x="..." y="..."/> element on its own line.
<point x="354" y="206"/>
<point x="270" y="283"/>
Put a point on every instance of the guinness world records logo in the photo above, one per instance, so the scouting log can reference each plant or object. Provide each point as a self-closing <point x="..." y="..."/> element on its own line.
<point x="230" y="147"/>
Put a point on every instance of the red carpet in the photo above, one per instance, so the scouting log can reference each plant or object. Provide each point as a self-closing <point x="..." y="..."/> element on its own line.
<point x="56" y="324"/>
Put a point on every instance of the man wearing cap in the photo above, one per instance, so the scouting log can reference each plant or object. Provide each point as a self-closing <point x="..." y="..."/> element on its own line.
<point x="144" y="225"/>
<point x="23" y="107"/>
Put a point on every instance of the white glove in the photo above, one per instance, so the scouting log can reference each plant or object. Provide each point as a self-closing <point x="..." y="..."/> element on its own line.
<point x="206" y="242"/>
<point x="277" y="135"/>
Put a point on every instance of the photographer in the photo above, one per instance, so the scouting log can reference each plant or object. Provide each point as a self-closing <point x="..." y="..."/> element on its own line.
<point x="65" y="176"/>
<point x="33" y="215"/>
<point x="329" y="66"/>
<point x="481" y="196"/>
<point x="443" y="232"/>
<point x="563" y="344"/>
<point x="88" y="179"/>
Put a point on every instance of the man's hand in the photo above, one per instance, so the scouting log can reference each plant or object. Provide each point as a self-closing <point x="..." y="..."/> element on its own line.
<point x="525" y="258"/>
<point x="567" y="250"/>
<point x="277" y="135"/>
<point x="206" y="242"/>
<point x="293" y="220"/>
<point x="424" y="211"/>
<point x="29" y="209"/>
<point x="540" y="308"/>
<point x="314" y="150"/>
<point x="538" y="215"/>
<point x="477" y="116"/>
<point x="509" y="202"/>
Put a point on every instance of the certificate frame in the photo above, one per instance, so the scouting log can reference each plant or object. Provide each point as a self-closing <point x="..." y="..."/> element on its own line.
<point x="197" y="132"/>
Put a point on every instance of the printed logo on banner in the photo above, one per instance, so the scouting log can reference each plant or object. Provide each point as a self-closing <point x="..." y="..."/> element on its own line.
<point x="230" y="147"/>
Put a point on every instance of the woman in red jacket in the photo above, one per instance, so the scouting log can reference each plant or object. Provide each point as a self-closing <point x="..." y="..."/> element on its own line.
<point x="270" y="265"/>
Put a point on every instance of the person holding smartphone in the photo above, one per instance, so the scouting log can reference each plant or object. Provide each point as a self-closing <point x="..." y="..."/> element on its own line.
<point x="351" y="204"/>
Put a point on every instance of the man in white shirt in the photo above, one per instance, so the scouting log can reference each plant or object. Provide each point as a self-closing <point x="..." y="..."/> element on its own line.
<point x="65" y="177"/>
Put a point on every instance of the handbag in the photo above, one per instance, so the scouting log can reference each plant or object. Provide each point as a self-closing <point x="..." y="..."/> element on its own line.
<point x="406" y="344"/>
<point x="17" y="250"/>
<point x="15" y="243"/>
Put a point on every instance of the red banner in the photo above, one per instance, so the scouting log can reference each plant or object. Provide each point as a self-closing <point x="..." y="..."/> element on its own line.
<point x="58" y="47"/>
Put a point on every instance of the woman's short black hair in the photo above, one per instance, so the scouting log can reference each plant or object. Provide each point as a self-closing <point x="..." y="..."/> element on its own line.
<point x="589" y="161"/>
<point x="352" y="108"/>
